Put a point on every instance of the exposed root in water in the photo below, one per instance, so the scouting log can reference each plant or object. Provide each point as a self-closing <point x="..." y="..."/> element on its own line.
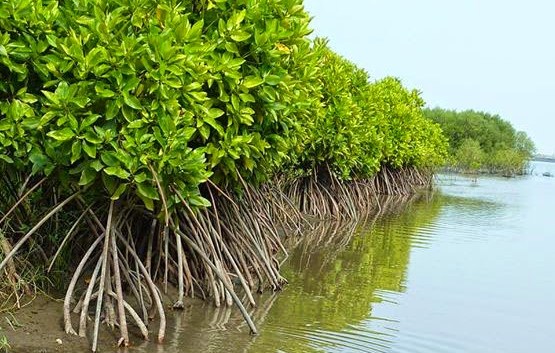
<point x="323" y="195"/>
<point x="235" y="244"/>
<point x="402" y="181"/>
<point x="129" y="255"/>
<point x="117" y="266"/>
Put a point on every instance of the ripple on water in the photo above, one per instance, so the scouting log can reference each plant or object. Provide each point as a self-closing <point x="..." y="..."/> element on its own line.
<point x="419" y="342"/>
<point x="461" y="220"/>
<point x="353" y="338"/>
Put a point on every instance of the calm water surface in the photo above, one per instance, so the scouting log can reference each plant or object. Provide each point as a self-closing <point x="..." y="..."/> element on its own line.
<point x="468" y="269"/>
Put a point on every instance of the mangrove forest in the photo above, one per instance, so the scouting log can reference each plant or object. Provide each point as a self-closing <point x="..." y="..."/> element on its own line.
<point x="148" y="145"/>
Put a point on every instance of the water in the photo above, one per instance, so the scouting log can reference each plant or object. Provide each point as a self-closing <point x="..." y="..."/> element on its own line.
<point x="469" y="269"/>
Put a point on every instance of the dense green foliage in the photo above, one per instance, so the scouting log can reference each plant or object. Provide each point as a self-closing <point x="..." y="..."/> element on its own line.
<point x="360" y="126"/>
<point x="482" y="141"/>
<point x="126" y="93"/>
<point x="409" y="139"/>
<point x="133" y="91"/>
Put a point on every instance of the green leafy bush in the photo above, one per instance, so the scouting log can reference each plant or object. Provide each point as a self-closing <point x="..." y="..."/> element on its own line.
<point x="131" y="92"/>
<point x="409" y="139"/>
<point x="140" y="95"/>
<point x="470" y="155"/>
<point x="479" y="140"/>
<point x="336" y="131"/>
<point x="360" y="126"/>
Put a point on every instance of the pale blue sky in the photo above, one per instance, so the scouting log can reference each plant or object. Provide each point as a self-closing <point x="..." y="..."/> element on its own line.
<point x="491" y="55"/>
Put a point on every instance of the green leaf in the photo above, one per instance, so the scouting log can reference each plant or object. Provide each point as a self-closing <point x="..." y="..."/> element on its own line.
<point x="53" y="98"/>
<point x="89" y="120"/>
<point x="110" y="183"/>
<point x="140" y="178"/>
<point x="187" y="133"/>
<point x="248" y="163"/>
<point x="81" y="102"/>
<point x="52" y="40"/>
<point x="87" y="176"/>
<point x="90" y="150"/>
<point x="39" y="160"/>
<point x="117" y="171"/>
<point x="125" y="158"/>
<point x="199" y="96"/>
<point x="149" y="203"/>
<point x="128" y="113"/>
<point x="75" y="151"/>
<point x="245" y="97"/>
<point x="6" y="158"/>
<point x="104" y="92"/>
<point x="46" y="118"/>
<point x="96" y="56"/>
<point x="247" y="119"/>
<point x="92" y="137"/>
<point x="193" y="86"/>
<point x="235" y="103"/>
<point x="215" y="113"/>
<point x="132" y="101"/>
<point x="237" y="18"/>
<point x="31" y="123"/>
<point x="197" y="200"/>
<point x="61" y="135"/>
<point x="205" y="131"/>
<point x="210" y="121"/>
<point x="97" y="165"/>
<point x="196" y="31"/>
<point x="28" y="98"/>
<point x="232" y="48"/>
<point x="131" y="84"/>
<point x="166" y="123"/>
<point x="272" y="80"/>
<point x="252" y="81"/>
<point x="119" y="191"/>
<point x="112" y="109"/>
<point x="240" y="36"/>
<point x="110" y="159"/>
<point x="5" y="125"/>
<point x="136" y="124"/>
<point x="147" y="191"/>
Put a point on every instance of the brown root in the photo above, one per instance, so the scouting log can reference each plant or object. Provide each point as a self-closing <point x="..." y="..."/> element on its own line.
<point x="233" y="248"/>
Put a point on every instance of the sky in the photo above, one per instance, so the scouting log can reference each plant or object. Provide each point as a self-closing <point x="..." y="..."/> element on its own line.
<point x="490" y="55"/>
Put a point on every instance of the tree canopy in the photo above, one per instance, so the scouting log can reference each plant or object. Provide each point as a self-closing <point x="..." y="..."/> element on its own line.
<point x="483" y="141"/>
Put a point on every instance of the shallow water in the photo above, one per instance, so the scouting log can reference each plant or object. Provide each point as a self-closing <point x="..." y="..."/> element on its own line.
<point x="468" y="269"/>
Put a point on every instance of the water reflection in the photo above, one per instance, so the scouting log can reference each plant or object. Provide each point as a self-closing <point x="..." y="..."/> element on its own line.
<point x="336" y="273"/>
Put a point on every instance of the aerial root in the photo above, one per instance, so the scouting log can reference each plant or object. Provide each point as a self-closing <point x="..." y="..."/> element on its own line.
<point x="234" y="247"/>
<point x="323" y="195"/>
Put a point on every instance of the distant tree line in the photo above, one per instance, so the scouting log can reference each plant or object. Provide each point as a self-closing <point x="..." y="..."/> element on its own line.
<point x="483" y="142"/>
